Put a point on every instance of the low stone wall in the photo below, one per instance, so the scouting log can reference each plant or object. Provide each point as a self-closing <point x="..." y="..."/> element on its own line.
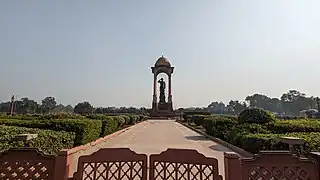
<point x="119" y="163"/>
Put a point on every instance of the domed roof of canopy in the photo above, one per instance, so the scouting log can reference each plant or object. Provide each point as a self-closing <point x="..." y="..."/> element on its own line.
<point x="162" y="61"/>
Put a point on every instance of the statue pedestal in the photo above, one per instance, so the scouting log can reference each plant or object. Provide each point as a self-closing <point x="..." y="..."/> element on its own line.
<point x="162" y="110"/>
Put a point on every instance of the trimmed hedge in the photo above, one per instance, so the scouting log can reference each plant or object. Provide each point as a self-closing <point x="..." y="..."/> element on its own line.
<point x="266" y="136"/>
<point x="301" y="125"/>
<point x="86" y="130"/>
<point x="255" y="115"/>
<point x="256" y="142"/>
<point x="49" y="141"/>
<point x="43" y="116"/>
<point x="197" y="119"/>
<point x="61" y="116"/>
<point x="219" y="126"/>
<point x="97" y="116"/>
<point x="142" y="117"/>
<point x="20" y="117"/>
<point x="126" y="119"/>
<point x="189" y="113"/>
<point x="120" y="121"/>
<point x="234" y="134"/>
<point x="133" y="119"/>
<point x="109" y="126"/>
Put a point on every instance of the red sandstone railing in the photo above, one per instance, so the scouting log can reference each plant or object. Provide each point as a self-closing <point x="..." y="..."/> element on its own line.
<point x="105" y="164"/>
<point x="270" y="165"/>
<point x="31" y="163"/>
<point x="183" y="164"/>
<point x="122" y="163"/>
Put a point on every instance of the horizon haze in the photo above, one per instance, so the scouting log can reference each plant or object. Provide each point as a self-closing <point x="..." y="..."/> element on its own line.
<point x="102" y="52"/>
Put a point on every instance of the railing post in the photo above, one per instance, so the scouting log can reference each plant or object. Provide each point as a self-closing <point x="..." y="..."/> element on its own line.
<point x="316" y="156"/>
<point x="62" y="166"/>
<point x="232" y="166"/>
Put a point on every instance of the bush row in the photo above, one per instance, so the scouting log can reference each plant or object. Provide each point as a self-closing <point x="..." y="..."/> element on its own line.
<point x="190" y="113"/>
<point x="277" y="126"/>
<point x="49" y="141"/>
<point x="43" y="116"/>
<point x="86" y="130"/>
<point x="256" y="142"/>
<point x="264" y="136"/>
<point x="301" y="125"/>
<point x="63" y="116"/>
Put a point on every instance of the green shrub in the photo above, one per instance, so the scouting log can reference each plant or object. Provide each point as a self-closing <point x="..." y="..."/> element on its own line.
<point x="252" y="128"/>
<point x="312" y="139"/>
<point x="197" y="119"/>
<point x="86" y="130"/>
<point x="186" y="114"/>
<point x="120" y="120"/>
<point x="233" y="136"/>
<point x="60" y="116"/>
<point x="301" y="125"/>
<point x="109" y="126"/>
<point x="255" y="115"/>
<point x="49" y="141"/>
<point x="126" y="119"/>
<point x="97" y="116"/>
<point x="43" y="116"/>
<point x="133" y="118"/>
<point x="142" y="117"/>
<point x="20" y="116"/>
<point x="257" y="142"/>
<point x="219" y="126"/>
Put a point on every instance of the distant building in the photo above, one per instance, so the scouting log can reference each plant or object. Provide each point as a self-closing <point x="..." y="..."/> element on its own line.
<point x="310" y="113"/>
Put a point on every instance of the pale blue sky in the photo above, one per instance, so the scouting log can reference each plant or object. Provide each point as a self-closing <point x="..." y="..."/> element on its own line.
<point x="102" y="51"/>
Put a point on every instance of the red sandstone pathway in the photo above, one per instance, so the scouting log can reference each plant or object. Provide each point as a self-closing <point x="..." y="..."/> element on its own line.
<point x="155" y="136"/>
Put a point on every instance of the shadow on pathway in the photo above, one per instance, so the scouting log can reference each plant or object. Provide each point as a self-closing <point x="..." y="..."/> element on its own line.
<point x="218" y="147"/>
<point x="197" y="138"/>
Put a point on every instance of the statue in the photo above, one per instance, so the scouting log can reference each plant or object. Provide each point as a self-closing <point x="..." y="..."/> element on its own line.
<point x="162" y="91"/>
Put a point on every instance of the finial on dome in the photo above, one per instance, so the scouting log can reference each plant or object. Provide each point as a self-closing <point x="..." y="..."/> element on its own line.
<point x="162" y="61"/>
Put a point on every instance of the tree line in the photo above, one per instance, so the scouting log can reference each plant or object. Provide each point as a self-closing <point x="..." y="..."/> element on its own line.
<point x="289" y="103"/>
<point x="49" y="105"/>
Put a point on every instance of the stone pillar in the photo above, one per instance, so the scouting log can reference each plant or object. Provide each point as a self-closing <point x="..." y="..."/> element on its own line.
<point x="154" y="85"/>
<point x="12" y="106"/>
<point x="63" y="166"/>
<point x="154" y="99"/>
<point x="170" y="95"/>
<point x="232" y="166"/>
<point x="316" y="157"/>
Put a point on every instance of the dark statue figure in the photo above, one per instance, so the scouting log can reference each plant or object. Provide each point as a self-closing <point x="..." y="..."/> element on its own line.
<point x="162" y="91"/>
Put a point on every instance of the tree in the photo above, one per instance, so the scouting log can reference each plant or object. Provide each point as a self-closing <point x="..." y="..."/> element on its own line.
<point x="295" y="101"/>
<point x="5" y="106"/>
<point x="235" y="107"/>
<point x="48" y="104"/>
<point x="264" y="102"/>
<point x="255" y="115"/>
<point x="217" y="107"/>
<point x="27" y="105"/>
<point x="69" y="109"/>
<point x="84" y="108"/>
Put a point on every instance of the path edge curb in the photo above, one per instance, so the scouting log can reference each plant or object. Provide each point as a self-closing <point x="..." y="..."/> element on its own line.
<point x="236" y="149"/>
<point x="97" y="141"/>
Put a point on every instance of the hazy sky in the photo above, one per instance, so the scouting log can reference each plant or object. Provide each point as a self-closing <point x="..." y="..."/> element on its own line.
<point x="102" y="51"/>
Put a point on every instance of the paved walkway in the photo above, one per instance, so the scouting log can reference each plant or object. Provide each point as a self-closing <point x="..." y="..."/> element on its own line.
<point x="155" y="136"/>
